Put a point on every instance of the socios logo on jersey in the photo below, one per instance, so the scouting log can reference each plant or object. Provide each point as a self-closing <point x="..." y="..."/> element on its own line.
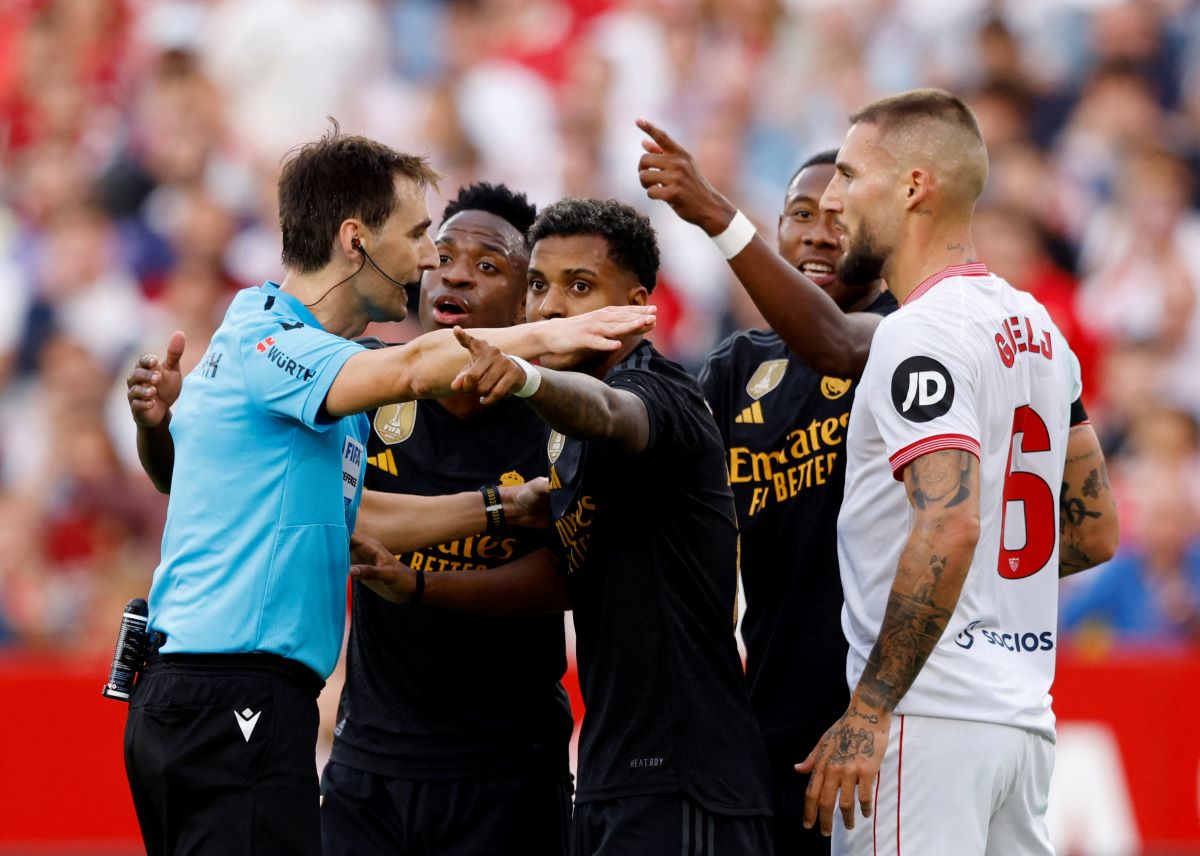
<point x="1017" y="642"/>
<point x="922" y="389"/>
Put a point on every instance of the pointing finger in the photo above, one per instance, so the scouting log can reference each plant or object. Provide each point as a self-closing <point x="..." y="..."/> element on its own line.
<point x="468" y="341"/>
<point x="659" y="136"/>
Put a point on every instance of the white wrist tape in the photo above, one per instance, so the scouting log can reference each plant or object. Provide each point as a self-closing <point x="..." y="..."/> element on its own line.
<point x="736" y="236"/>
<point x="533" y="377"/>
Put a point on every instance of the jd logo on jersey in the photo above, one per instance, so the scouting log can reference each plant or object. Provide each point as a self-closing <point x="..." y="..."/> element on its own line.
<point x="922" y="389"/>
<point x="394" y="423"/>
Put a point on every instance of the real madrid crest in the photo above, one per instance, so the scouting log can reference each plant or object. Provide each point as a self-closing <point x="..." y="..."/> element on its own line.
<point x="394" y="422"/>
<point x="765" y="378"/>
<point x="555" y="446"/>
<point x="834" y="387"/>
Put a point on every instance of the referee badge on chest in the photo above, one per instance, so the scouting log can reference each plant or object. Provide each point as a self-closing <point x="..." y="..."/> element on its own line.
<point x="765" y="378"/>
<point x="394" y="422"/>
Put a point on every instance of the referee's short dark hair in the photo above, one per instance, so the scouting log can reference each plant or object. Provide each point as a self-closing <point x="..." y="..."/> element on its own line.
<point x="334" y="178"/>
<point x="630" y="237"/>
<point x="497" y="199"/>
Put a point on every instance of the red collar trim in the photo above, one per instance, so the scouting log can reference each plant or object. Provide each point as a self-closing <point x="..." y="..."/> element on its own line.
<point x="972" y="269"/>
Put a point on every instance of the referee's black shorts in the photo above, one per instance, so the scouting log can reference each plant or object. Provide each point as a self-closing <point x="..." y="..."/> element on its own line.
<point x="364" y="814"/>
<point x="219" y="750"/>
<point x="664" y="825"/>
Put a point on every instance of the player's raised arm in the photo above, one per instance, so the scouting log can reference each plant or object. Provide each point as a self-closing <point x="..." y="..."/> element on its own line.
<point x="531" y="585"/>
<point x="1088" y="527"/>
<point x="152" y="388"/>
<point x="943" y="489"/>
<point x="806" y="318"/>
<point x="426" y="366"/>
<point x="573" y="403"/>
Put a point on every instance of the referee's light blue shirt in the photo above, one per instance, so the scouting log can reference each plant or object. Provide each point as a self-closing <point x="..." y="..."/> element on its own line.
<point x="264" y="491"/>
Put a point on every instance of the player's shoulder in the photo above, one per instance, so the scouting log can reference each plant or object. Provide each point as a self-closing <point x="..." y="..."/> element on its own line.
<point x="744" y="348"/>
<point x="647" y="368"/>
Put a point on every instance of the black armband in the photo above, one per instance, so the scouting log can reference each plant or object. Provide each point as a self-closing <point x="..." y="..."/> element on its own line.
<point x="1078" y="414"/>
<point x="418" y="588"/>
<point x="493" y="507"/>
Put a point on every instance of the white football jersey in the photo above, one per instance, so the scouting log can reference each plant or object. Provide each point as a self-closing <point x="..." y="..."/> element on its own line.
<point x="968" y="362"/>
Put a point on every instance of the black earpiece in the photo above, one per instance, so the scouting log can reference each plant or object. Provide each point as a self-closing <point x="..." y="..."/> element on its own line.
<point x="357" y="244"/>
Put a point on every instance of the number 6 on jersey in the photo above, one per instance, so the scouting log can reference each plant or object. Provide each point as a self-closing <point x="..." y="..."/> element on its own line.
<point x="1036" y="498"/>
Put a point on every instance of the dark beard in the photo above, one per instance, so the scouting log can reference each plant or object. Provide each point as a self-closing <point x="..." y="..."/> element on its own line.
<point x="863" y="262"/>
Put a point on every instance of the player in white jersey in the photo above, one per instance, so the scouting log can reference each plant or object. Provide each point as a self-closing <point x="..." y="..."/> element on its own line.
<point x="959" y="499"/>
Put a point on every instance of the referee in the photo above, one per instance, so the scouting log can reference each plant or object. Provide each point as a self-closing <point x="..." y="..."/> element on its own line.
<point x="264" y="458"/>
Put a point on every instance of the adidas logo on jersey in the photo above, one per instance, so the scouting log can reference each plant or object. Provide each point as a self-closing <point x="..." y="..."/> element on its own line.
<point x="384" y="460"/>
<point x="752" y="415"/>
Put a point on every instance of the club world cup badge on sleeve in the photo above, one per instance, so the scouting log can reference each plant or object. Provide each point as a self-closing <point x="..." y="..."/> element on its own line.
<point x="765" y="378"/>
<point x="394" y="423"/>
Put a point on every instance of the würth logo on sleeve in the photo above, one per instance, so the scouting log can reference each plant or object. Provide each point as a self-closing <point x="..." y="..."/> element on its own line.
<point x="276" y="355"/>
<point x="922" y="389"/>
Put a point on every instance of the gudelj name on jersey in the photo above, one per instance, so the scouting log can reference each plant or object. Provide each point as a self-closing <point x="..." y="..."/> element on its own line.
<point x="464" y="554"/>
<point x="806" y="459"/>
<point x="1017" y="338"/>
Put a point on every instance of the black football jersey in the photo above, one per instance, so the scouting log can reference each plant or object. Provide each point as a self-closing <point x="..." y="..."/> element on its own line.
<point x="784" y="429"/>
<point x="433" y="693"/>
<point x="649" y="542"/>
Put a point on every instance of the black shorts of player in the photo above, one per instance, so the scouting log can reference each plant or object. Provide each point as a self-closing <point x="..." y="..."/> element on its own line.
<point x="787" y="793"/>
<point x="665" y="825"/>
<point x="219" y="753"/>
<point x="364" y="814"/>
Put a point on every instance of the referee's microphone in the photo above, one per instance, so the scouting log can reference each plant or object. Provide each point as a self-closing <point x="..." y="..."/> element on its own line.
<point x="358" y="245"/>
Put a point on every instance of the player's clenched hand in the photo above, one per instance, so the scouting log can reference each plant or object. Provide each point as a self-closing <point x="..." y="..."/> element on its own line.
<point x="490" y="374"/>
<point x="849" y="756"/>
<point x="152" y="388"/>
<point x="375" y="566"/>
<point x="598" y="330"/>
<point x="527" y="504"/>
<point x="668" y="172"/>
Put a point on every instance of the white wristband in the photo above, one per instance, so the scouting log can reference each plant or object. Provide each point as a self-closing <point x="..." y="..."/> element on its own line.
<point x="533" y="377"/>
<point x="736" y="236"/>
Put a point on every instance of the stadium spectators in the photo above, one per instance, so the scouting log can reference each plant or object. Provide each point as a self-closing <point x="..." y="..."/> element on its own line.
<point x="140" y="142"/>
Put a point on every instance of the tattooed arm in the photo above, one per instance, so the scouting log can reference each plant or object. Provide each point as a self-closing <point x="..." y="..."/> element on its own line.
<point x="580" y="406"/>
<point x="943" y="488"/>
<point x="1087" y="521"/>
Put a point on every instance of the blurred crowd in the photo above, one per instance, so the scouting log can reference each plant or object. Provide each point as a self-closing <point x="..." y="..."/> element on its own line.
<point x="140" y="142"/>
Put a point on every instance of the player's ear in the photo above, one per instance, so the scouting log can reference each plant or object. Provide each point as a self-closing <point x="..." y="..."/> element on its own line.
<point x="638" y="296"/>
<point x="916" y="189"/>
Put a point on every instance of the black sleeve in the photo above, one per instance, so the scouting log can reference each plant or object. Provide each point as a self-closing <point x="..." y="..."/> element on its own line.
<point x="714" y="383"/>
<point x="677" y="412"/>
<point x="1078" y="414"/>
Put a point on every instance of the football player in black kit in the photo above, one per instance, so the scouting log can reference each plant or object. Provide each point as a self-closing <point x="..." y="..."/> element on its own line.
<point x="782" y="399"/>
<point x="453" y="729"/>
<point x="643" y="549"/>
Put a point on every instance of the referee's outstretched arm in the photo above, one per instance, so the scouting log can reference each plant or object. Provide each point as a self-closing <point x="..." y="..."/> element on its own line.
<point x="426" y="366"/>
